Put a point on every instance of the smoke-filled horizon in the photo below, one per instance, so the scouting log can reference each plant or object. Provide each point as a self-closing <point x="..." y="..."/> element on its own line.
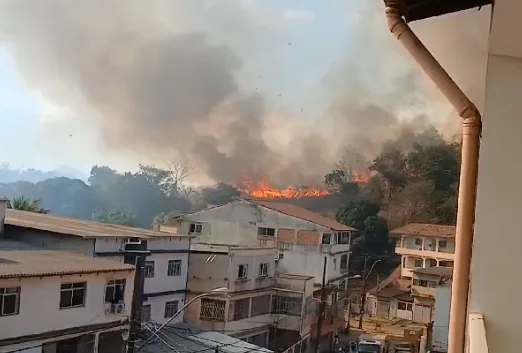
<point x="173" y="79"/>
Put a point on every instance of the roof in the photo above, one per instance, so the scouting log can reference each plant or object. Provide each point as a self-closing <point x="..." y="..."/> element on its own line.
<point x="33" y="263"/>
<point x="78" y="227"/>
<point x="302" y="213"/>
<point x="414" y="10"/>
<point x="425" y="230"/>
<point x="187" y="339"/>
<point x="225" y="248"/>
<point x="390" y="292"/>
<point x="435" y="271"/>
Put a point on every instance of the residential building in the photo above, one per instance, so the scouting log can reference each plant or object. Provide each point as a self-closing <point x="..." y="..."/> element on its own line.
<point x="257" y="308"/>
<point x="166" y="262"/>
<point x="56" y="301"/>
<point x="441" y="317"/>
<point x="304" y="238"/>
<point x="424" y="245"/>
<point x="424" y="289"/>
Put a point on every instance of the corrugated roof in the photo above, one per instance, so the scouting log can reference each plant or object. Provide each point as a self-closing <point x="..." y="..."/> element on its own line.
<point x="435" y="271"/>
<point x="302" y="213"/>
<point x="33" y="263"/>
<point x="77" y="227"/>
<point x="425" y="230"/>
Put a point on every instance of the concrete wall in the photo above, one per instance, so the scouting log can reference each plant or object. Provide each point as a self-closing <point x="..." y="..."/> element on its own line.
<point x="441" y="313"/>
<point x="161" y="282"/>
<point x="157" y="307"/>
<point x="495" y="290"/>
<point x="40" y="304"/>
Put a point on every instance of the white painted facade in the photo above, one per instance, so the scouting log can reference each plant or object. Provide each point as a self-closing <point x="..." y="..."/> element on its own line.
<point x="421" y="252"/>
<point x="495" y="287"/>
<point x="39" y="308"/>
<point x="238" y="223"/>
<point x="249" y="275"/>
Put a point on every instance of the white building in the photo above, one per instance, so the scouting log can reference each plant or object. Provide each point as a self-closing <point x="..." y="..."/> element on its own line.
<point x="304" y="238"/>
<point x="166" y="262"/>
<point x="424" y="245"/>
<point x="253" y="307"/>
<point x="55" y="301"/>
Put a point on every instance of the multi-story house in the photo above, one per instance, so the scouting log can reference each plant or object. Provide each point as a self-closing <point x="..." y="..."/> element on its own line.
<point x="56" y="301"/>
<point x="166" y="253"/>
<point x="304" y="238"/>
<point x="424" y="245"/>
<point x="257" y="308"/>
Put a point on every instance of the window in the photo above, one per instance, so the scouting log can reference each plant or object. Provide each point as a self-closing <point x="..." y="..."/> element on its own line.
<point x="9" y="301"/>
<point x="443" y="244"/>
<point x="145" y="313"/>
<point x="195" y="228"/>
<point x="405" y="306"/>
<point x="72" y="294"/>
<point x="149" y="269"/>
<point x="334" y="264"/>
<point x="115" y="291"/>
<point x="281" y="255"/>
<point x="242" y="271"/>
<point x="241" y="308"/>
<point x="174" y="268"/>
<point x="424" y="283"/>
<point x="287" y="305"/>
<point x="343" y="238"/>
<point x="212" y="310"/>
<point x="446" y="263"/>
<point x="418" y="263"/>
<point x="418" y="241"/>
<point x="171" y="308"/>
<point x="260" y="305"/>
<point x="265" y="232"/>
<point x="327" y="238"/>
<point x="344" y="263"/>
<point x="263" y="269"/>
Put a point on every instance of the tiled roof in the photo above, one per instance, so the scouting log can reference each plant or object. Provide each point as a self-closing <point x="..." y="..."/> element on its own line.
<point x="33" y="263"/>
<point x="302" y="213"/>
<point x="78" y="227"/>
<point x="425" y="230"/>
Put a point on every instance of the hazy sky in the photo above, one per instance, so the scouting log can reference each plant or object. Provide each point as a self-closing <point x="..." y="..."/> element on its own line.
<point x="39" y="133"/>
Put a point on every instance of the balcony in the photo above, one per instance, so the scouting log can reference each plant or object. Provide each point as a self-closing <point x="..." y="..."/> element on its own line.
<point x="427" y="252"/>
<point x="477" y="334"/>
<point x="334" y="248"/>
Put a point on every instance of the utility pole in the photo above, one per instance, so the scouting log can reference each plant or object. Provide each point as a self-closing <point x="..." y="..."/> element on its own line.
<point x="363" y="294"/>
<point x="320" y="310"/>
<point x="137" y="302"/>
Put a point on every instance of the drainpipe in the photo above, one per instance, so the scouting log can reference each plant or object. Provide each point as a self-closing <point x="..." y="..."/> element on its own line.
<point x="471" y="129"/>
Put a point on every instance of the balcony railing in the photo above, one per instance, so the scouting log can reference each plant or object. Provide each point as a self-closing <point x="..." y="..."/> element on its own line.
<point x="477" y="334"/>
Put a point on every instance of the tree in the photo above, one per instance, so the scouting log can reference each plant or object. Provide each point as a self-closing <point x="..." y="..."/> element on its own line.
<point x="412" y="204"/>
<point x="391" y="165"/>
<point x="164" y="218"/>
<point x="23" y="204"/>
<point x="116" y="217"/>
<point x="219" y="194"/>
<point x="173" y="180"/>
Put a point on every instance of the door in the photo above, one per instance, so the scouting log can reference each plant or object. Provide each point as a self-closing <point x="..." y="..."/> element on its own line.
<point x="382" y="309"/>
<point x="422" y="313"/>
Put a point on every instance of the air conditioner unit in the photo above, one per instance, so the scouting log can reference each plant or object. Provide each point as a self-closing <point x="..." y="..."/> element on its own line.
<point x="118" y="308"/>
<point x="132" y="241"/>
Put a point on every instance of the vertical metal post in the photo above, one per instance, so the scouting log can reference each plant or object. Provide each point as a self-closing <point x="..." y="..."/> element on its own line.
<point x="320" y="310"/>
<point x="137" y="302"/>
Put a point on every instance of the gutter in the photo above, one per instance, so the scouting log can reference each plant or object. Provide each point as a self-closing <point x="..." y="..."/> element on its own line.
<point x="471" y="132"/>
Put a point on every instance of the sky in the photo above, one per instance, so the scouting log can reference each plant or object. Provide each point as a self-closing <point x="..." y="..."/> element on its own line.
<point x="54" y="135"/>
<point x="299" y="54"/>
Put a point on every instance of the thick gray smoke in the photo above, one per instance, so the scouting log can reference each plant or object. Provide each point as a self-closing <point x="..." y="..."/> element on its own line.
<point x="164" y="78"/>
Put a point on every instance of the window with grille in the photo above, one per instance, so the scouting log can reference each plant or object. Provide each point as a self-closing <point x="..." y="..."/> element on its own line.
<point x="242" y="271"/>
<point x="260" y="305"/>
<point x="171" y="308"/>
<point x="287" y="305"/>
<point x="149" y="269"/>
<point x="418" y="263"/>
<point x="195" y="228"/>
<point x="241" y="308"/>
<point x="145" y="313"/>
<point x="424" y="283"/>
<point x="265" y="232"/>
<point x="212" y="310"/>
<point x="9" y="301"/>
<point x="174" y="268"/>
<point x="327" y="238"/>
<point x="72" y="294"/>
<point x="115" y="291"/>
<point x="263" y="269"/>
<point x="404" y="306"/>
<point x="343" y="238"/>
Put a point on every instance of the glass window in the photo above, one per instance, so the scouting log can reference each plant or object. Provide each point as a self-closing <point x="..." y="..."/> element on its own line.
<point x="9" y="301"/>
<point x="72" y="294"/>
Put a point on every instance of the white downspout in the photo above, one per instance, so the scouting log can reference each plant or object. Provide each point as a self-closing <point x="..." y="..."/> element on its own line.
<point x="471" y="128"/>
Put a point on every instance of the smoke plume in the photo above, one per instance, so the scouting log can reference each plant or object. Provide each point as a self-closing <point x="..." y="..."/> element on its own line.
<point x="165" y="78"/>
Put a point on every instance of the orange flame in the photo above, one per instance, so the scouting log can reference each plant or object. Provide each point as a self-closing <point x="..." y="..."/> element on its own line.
<point x="263" y="190"/>
<point x="362" y="178"/>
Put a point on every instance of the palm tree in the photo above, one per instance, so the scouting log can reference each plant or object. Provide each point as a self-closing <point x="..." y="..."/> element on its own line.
<point x="23" y="204"/>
